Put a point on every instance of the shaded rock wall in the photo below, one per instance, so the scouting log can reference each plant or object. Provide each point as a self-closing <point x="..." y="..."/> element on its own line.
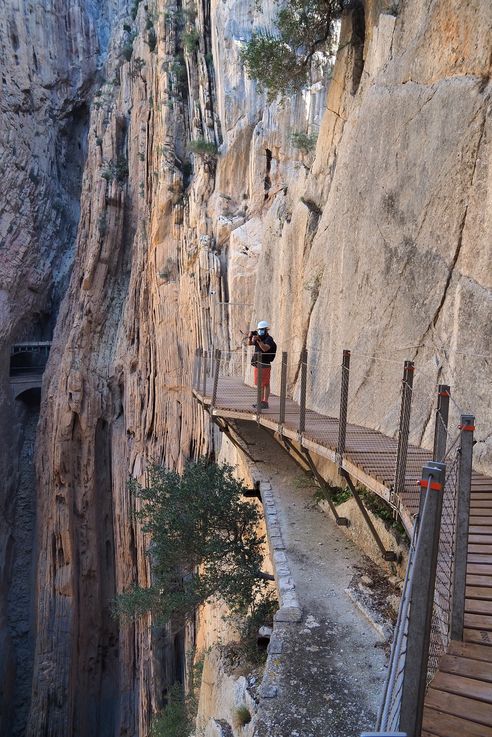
<point x="50" y="55"/>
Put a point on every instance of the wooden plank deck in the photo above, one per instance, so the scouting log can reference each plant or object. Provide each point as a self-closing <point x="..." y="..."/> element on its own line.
<point x="459" y="698"/>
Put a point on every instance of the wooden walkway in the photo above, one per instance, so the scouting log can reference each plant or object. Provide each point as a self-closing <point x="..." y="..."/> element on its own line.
<point x="459" y="699"/>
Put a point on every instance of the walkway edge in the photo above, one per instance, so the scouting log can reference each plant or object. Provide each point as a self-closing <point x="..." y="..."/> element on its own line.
<point x="290" y="609"/>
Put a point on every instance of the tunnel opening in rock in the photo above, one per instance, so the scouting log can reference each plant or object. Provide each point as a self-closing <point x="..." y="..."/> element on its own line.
<point x="30" y="397"/>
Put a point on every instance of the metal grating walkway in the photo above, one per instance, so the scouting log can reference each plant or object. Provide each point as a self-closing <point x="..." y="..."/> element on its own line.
<point x="459" y="699"/>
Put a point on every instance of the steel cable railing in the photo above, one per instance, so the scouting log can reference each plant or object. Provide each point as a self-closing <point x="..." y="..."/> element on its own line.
<point x="443" y="591"/>
<point x="389" y="713"/>
<point x="225" y="380"/>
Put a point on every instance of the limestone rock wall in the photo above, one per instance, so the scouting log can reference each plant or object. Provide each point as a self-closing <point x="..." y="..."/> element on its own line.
<point x="400" y="264"/>
<point x="50" y="56"/>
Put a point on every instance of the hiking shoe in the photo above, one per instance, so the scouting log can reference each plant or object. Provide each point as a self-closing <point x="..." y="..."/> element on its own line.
<point x="264" y="405"/>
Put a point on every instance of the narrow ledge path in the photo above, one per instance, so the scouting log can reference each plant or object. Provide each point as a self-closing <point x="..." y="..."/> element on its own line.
<point x="328" y="673"/>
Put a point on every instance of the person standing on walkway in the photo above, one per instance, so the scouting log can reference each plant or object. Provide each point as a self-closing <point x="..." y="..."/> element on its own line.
<point x="265" y="350"/>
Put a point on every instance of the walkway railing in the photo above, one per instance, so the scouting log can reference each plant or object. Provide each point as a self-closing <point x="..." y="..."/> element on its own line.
<point x="29" y="358"/>
<point x="342" y="392"/>
<point x="432" y="604"/>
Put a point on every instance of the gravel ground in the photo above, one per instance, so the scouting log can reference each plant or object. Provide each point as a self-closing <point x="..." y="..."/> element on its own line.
<point x="332" y="665"/>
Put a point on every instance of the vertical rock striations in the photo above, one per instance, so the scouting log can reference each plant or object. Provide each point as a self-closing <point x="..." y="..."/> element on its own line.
<point x="50" y="53"/>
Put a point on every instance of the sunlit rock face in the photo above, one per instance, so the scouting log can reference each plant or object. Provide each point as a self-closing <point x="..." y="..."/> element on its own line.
<point x="378" y="240"/>
<point x="383" y="245"/>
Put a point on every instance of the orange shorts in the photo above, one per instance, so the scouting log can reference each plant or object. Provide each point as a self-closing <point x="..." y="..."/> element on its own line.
<point x="265" y="375"/>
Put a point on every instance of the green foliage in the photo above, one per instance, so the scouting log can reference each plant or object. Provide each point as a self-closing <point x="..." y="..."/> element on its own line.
<point x="303" y="141"/>
<point x="338" y="496"/>
<point x="99" y="141"/>
<point x="127" y="27"/>
<point x="190" y="40"/>
<point x="242" y="716"/>
<point x="260" y="613"/>
<point x="204" y="542"/>
<point x="341" y="496"/>
<point x="281" y="62"/>
<point x="382" y="510"/>
<point x="174" y="720"/>
<point x="116" y="170"/>
<point x="201" y="147"/>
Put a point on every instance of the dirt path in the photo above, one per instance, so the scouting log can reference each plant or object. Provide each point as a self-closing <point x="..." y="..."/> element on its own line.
<point x="332" y="666"/>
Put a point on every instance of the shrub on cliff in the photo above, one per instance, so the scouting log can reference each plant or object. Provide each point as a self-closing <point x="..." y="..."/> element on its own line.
<point x="175" y="719"/>
<point x="201" y="147"/>
<point x="281" y="61"/>
<point x="204" y="542"/>
<point x="303" y="141"/>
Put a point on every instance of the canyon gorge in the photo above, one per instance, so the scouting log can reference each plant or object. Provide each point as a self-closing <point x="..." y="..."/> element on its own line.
<point x="155" y="201"/>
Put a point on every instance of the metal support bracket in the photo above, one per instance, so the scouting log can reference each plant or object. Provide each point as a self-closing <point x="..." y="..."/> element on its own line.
<point x="253" y="493"/>
<point x="341" y="521"/>
<point x="388" y="555"/>
<point x="227" y="430"/>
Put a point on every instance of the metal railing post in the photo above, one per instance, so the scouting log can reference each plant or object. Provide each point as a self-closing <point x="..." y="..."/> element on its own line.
<point x="441" y="427"/>
<point x="259" y="388"/>
<point x="422" y="600"/>
<point x="467" y="427"/>
<point x="302" y="399"/>
<point x="216" y="378"/>
<point x="204" y="366"/>
<point x="342" y="422"/>
<point x="406" y="406"/>
<point x="283" y="388"/>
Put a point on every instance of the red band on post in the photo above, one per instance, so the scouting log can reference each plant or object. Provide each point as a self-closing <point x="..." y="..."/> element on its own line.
<point x="433" y="485"/>
<point x="468" y="428"/>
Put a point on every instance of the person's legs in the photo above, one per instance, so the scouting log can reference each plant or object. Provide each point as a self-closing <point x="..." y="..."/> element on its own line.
<point x="265" y="393"/>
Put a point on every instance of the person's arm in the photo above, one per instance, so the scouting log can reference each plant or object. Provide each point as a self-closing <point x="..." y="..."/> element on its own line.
<point x="265" y="347"/>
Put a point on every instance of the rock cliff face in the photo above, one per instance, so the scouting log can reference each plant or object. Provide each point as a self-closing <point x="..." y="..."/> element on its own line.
<point x="377" y="241"/>
<point x="50" y="55"/>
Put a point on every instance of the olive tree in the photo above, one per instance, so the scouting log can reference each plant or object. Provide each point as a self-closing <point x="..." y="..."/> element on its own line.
<point x="281" y="61"/>
<point x="204" y="542"/>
